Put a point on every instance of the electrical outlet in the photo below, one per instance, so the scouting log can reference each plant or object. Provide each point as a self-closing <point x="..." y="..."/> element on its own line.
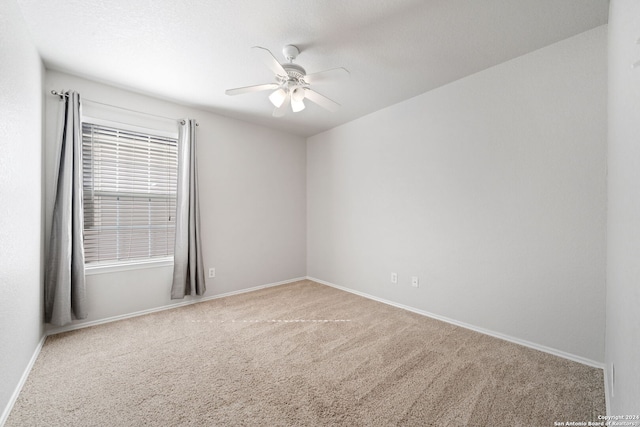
<point x="212" y="272"/>
<point x="414" y="281"/>
<point x="394" y="277"/>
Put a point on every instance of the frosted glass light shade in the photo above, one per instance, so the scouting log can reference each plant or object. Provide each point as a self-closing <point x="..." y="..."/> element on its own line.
<point x="278" y="97"/>
<point x="297" y="106"/>
<point x="297" y="94"/>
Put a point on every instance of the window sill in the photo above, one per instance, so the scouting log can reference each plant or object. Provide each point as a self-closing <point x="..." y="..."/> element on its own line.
<point x="129" y="265"/>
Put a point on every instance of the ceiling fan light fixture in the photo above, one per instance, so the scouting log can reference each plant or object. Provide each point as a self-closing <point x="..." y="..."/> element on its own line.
<point x="278" y="97"/>
<point x="292" y="83"/>
<point x="297" y="105"/>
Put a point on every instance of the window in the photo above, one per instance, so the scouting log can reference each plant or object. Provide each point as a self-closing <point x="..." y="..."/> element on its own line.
<point x="129" y="194"/>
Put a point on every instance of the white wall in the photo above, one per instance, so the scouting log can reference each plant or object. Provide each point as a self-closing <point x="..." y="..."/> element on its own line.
<point x="491" y="189"/>
<point x="623" y="228"/>
<point x="21" y="75"/>
<point x="253" y="203"/>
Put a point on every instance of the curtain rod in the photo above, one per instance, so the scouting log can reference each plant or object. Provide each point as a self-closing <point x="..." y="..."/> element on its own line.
<point x="63" y="95"/>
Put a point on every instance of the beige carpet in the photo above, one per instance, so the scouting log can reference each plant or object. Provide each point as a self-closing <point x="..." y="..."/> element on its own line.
<point x="301" y="354"/>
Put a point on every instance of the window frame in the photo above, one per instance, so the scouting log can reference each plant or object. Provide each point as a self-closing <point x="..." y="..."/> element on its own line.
<point x="112" y="266"/>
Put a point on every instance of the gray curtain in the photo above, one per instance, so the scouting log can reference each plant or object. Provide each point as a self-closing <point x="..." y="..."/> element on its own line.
<point x="65" y="290"/>
<point x="188" y="269"/>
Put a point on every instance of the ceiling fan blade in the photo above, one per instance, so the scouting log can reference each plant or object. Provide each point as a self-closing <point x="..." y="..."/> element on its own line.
<point x="248" y="89"/>
<point x="282" y="110"/>
<point x="321" y="100"/>
<point x="322" y="76"/>
<point x="269" y="60"/>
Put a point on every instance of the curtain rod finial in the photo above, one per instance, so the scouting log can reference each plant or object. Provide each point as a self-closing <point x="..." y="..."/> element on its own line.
<point x="60" y="94"/>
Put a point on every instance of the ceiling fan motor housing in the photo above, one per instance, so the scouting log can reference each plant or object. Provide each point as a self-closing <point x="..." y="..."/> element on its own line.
<point x="294" y="71"/>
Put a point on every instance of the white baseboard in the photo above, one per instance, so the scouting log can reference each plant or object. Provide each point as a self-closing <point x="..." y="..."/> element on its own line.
<point x="72" y="327"/>
<point x="607" y="388"/>
<point x="23" y="379"/>
<point x="515" y="340"/>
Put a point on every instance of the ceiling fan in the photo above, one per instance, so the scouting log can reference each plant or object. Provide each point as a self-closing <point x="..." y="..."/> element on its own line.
<point x="292" y="85"/>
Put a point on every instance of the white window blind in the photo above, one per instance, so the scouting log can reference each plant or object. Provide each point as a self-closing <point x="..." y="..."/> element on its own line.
<point x="129" y="194"/>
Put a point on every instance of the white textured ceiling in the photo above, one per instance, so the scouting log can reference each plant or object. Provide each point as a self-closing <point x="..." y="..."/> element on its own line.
<point x="190" y="51"/>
